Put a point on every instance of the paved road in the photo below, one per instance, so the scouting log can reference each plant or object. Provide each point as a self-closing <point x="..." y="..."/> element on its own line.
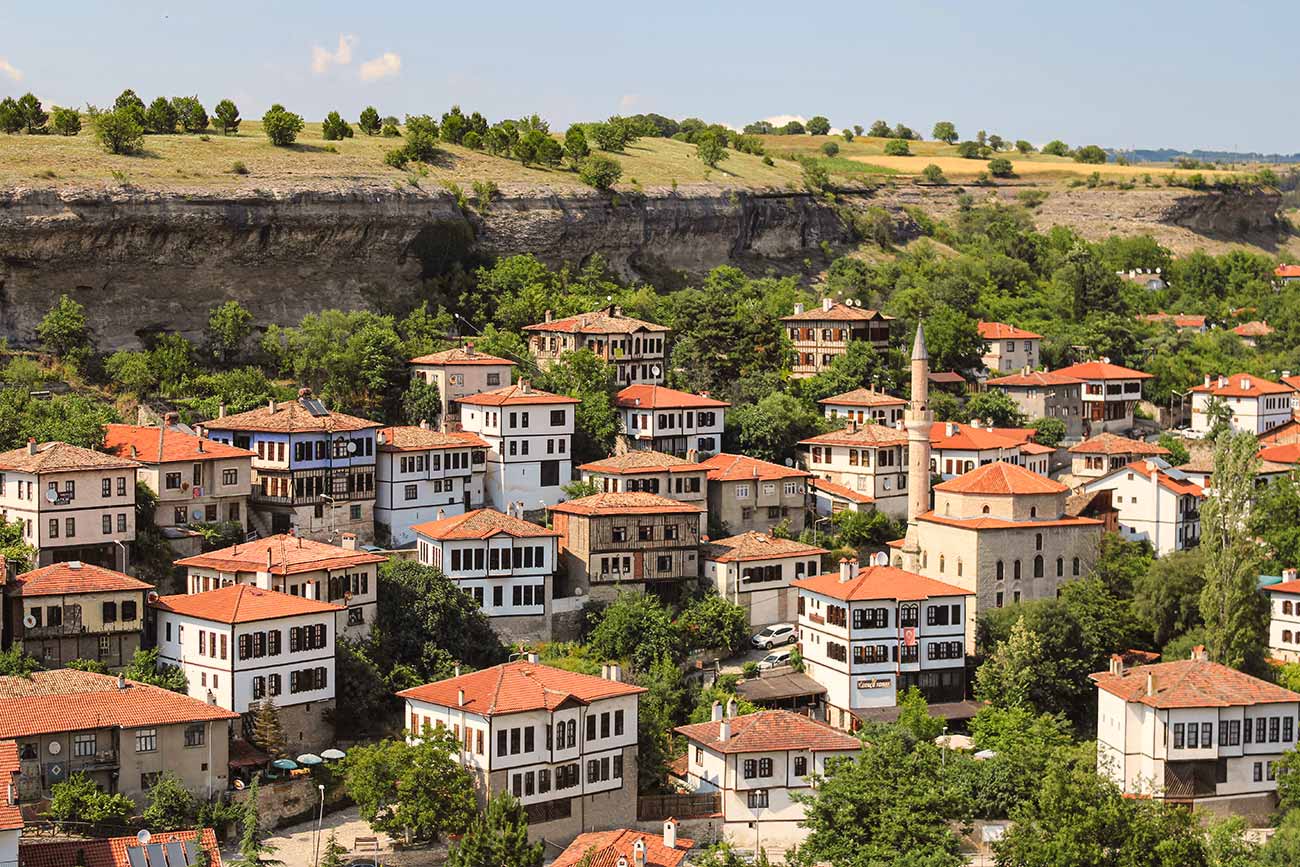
<point x="295" y="844"/>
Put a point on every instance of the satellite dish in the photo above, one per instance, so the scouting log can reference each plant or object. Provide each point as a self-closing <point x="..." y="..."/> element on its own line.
<point x="51" y="495"/>
<point x="654" y="371"/>
<point x="239" y="785"/>
<point x="55" y="748"/>
<point x="143" y="836"/>
<point x="352" y="447"/>
<point x="789" y="462"/>
<point x="29" y="621"/>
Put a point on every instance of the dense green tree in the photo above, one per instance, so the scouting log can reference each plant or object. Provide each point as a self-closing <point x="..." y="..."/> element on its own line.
<point x="190" y="114"/>
<point x="1090" y="154"/>
<point x="33" y="114"/>
<point x="11" y="118"/>
<point x="575" y="145"/>
<point x="145" y="668"/>
<point x="1024" y="147"/>
<point x="600" y="171"/>
<point x="119" y="132"/>
<point x="859" y="366"/>
<point x="369" y="121"/>
<point x="1056" y="148"/>
<point x="945" y="131"/>
<point x="65" y="333"/>
<point x="897" y="147"/>
<point x="417" y="789"/>
<point x="771" y="429"/>
<point x="969" y="150"/>
<point x="15" y="662"/>
<point x="1048" y="431"/>
<point x="709" y="148"/>
<point x="229" y="327"/>
<point x="127" y="101"/>
<point x="498" y="837"/>
<point x="863" y="531"/>
<point x="94" y="666"/>
<point x="1178" y="454"/>
<point x="1000" y="167"/>
<point x="818" y="125"/>
<point x="714" y="623"/>
<point x="226" y="117"/>
<point x="635" y="627"/>
<point x="996" y="408"/>
<point x="1023" y="744"/>
<point x="335" y="128"/>
<point x="1168" y="595"/>
<point x="421" y="402"/>
<point x="723" y="693"/>
<point x="281" y="126"/>
<point x="662" y="706"/>
<point x="14" y="548"/>
<point x="79" y="799"/>
<point x="171" y="807"/>
<point x="847" y="134"/>
<point x="160" y="117"/>
<point x="880" y="129"/>
<point x="268" y="730"/>
<point x="792" y="127"/>
<point x="71" y="418"/>
<point x="65" y="121"/>
<point x="1275" y="520"/>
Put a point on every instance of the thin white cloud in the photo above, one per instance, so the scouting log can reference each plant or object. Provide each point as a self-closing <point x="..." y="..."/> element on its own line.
<point x="10" y="70"/>
<point x="322" y="58"/>
<point x="779" y="120"/>
<point x="385" y="65"/>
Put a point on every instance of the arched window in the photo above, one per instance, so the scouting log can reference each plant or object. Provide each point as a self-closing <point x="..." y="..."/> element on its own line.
<point x="1038" y="565"/>
<point x="940" y="564"/>
<point x="1060" y="567"/>
<point x="1033" y="512"/>
<point x="1287" y="608"/>
<point x="1038" y="541"/>
<point x="1002" y="570"/>
<point x="985" y="510"/>
<point x="1015" y="570"/>
<point x="1076" y="566"/>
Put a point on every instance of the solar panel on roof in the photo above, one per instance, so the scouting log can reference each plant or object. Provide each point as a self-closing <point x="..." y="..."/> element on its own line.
<point x="157" y="858"/>
<point x="314" y="406"/>
<point x="176" y="856"/>
<point x="190" y="848"/>
<point x="135" y="855"/>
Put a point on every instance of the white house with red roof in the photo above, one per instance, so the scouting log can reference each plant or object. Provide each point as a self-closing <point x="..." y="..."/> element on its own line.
<point x="241" y="645"/>
<point x="1110" y="393"/>
<point x="748" y="494"/>
<point x="1284" y="617"/>
<point x="1287" y="273"/>
<point x="821" y="334"/>
<point x="863" y="464"/>
<point x="868" y="635"/>
<point x="1007" y="347"/>
<point x="423" y="474"/>
<point x="756" y="763"/>
<point x="957" y="448"/>
<point x="529" y="436"/>
<point x="1156" y="503"/>
<point x="1195" y="732"/>
<point x="298" y="567"/>
<point x="635" y="348"/>
<point x="625" y="847"/>
<point x="1045" y="394"/>
<point x="506" y="563"/>
<point x="458" y="373"/>
<point x="1251" y="332"/>
<point x="666" y="420"/>
<point x="563" y="743"/>
<point x="1254" y="404"/>
<point x="651" y="472"/>
<point x="1101" y="455"/>
<point x="864" y="405"/>
<point x="756" y="571"/>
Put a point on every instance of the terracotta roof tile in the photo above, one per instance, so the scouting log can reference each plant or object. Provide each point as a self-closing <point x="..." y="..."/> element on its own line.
<point x="519" y="394"/>
<point x="56" y="457"/>
<point x="514" y="687"/>
<point x="878" y="582"/>
<point x="871" y="435"/>
<point x="141" y="444"/>
<point x="770" y="731"/>
<point x="242" y="603"/>
<point x="1179" y="320"/>
<point x="110" y="852"/>
<point x="1253" y="329"/>
<point x="965" y="437"/>
<point x="624" y="503"/>
<point x="1001" y="477"/>
<point x="1178" y="486"/>
<point x="481" y="524"/>
<point x="1114" y="444"/>
<point x="986" y="522"/>
<point x="1285" y="587"/>
<point x="1033" y="379"/>
<point x="413" y="438"/>
<point x="739" y="468"/>
<point x="460" y="356"/>
<point x="290" y="416"/>
<point x="863" y="397"/>
<point x="1101" y="370"/>
<point x="1287" y="271"/>
<point x="659" y="397"/>
<point x="1003" y="331"/>
<point x="605" y="321"/>
<point x="59" y="579"/>
<point x="1192" y="683"/>
<point x="11" y="815"/>
<point x="844" y="492"/>
<point x="1288" y="453"/>
<point x="757" y="546"/>
<point x="606" y="847"/>
<point x="837" y="313"/>
<point x="65" y="700"/>
<point x="642" y="461"/>
<point x="1241" y="385"/>
<point x="289" y="555"/>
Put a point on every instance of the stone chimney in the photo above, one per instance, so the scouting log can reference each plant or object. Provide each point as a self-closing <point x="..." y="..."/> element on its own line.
<point x="724" y="730"/>
<point x="121" y="681"/>
<point x="31" y="445"/>
<point x="525" y="386"/>
<point x="221" y="410"/>
<point x="1290" y="574"/>
<point x="848" y="569"/>
<point x="531" y="657"/>
<point x="349" y="541"/>
<point x="1116" y="664"/>
<point x="548" y="315"/>
<point x="716" y="711"/>
<point x="1199" y="654"/>
<point x="827" y="304"/>
<point x="469" y="349"/>
<point x="1151" y="684"/>
<point x="270" y="404"/>
<point x="798" y="308"/>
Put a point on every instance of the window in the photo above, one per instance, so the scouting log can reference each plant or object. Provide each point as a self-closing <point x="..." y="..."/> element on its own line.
<point x="757" y="799"/>
<point x="146" y="740"/>
<point x="172" y="481"/>
<point x="1234" y="732"/>
<point x="121" y="522"/>
<point x="664" y="563"/>
<point x="106" y="488"/>
<point x="801" y="766"/>
<point x="1179" y="735"/>
<point x="1274" y="729"/>
<point x="765" y="767"/>
<point x="194" y="735"/>
<point x="618" y="534"/>
<point x="645" y="533"/>
<point x="54" y="528"/>
<point x="750" y="769"/>
<point x="618" y="723"/>
<point x="591" y="727"/>
<point x="1207" y="734"/>
<point x="410" y="492"/>
<point x="230" y="477"/>
<point x="83" y="745"/>
<point x="1258" y="775"/>
<point x="110" y="612"/>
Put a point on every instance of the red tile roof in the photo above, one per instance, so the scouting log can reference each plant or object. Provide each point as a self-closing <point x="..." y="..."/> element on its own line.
<point x="1287" y="271"/>
<point x="624" y="503"/>
<point x="11" y="815"/>
<point x="967" y="437"/>
<point x="771" y="731"/>
<point x="879" y="582"/>
<point x="1101" y="370"/>
<point x="242" y="603"/>
<point x="514" y="687"/>
<point x="460" y="356"/>
<point x="60" y="457"/>
<point x="1253" y="329"/>
<point x="1285" y="587"/>
<point x="141" y="444"/>
<point x="110" y="852"/>
<point x="481" y="524"/>
<point x="1293" y="381"/>
<point x="413" y="438"/>
<point x="757" y="546"/>
<point x="1192" y="683"/>
<point x="639" y="461"/>
<point x="288" y="555"/>
<point x="606" y="847"/>
<point x="1288" y="453"/>
<point x="66" y="700"/>
<point x="838" y="313"/>
<point x="1033" y="379"/>
<point x="985" y="522"/>
<point x="854" y="435"/>
<point x="1002" y="331"/>
<point x="1114" y="444"/>
<point x="1241" y="385"/>
<point x="290" y="416"/>
<point x="1179" y="320"/>
<point x="1178" y="486"/>
<point x="739" y="468"/>
<point x="60" y="579"/>
<point x="659" y="397"/>
<point x="863" y="397"/>
<point x="842" y="491"/>
<point x="1001" y="477"/>
<point x="605" y="321"/>
<point x="519" y="394"/>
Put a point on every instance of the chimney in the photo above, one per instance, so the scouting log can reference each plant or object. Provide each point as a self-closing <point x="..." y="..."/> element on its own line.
<point x="221" y="410"/>
<point x="121" y="681"/>
<point x="1151" y="684"/>
<point x="135" y="452"/>
<point x="457" y="670"/>
<point x="381" y="438"/>
<point x="949" y="428"/>
<point x="548" y="316"/>
<point x="531" y="657"/>
<point x="717" y="711"/>
<point x="604" y="671"/>
<point x="724" y="730"/>
<point x="442" y="513"/>
<point x="268" y="558"/>
<point x="1223" y="382"/>
<point x="638" y="853"/>
<point x="827" y="304"/>
<point x="616" y="672"/>
<point x="846" y="569"/>
<point x="469" y="349"/>
<point x="731" y="707"/>
<point x="670" y="833"/>
<point x="618" y="310"/>
<point x="1199" y="654"/>
<point x="1207" y="380"/>
<point x="1290" y="574"/>
<point x="424" y="424"/>
<point x="1245" y="383"/>
<point x="1286" y="374"/>
<point x="1116" y="664"/>
<point x="31" y="445"/>
<point x="270" y="404"/>
<point x="798" y="308"/>
<point x="200" y="445"/>
<point x="349" y="541"/>
<point x="460" y="698"/>
<point x="525" y="386"/>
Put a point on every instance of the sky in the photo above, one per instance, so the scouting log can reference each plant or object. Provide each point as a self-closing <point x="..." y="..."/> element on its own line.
<point x="1144" y="74"/>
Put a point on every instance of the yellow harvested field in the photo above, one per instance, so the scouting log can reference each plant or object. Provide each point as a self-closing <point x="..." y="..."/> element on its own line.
<point x="1041" y="167"/>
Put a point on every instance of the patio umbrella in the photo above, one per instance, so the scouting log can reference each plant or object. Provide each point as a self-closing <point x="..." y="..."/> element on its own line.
<point x="309" y="759"/>
<point x="284" y="764"/>
<point x="333" y="754"/>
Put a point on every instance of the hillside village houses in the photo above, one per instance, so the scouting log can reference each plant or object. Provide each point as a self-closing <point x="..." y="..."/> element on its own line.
<point x="1251" y="332"/>
<point x="1284" y="617"/>
<point x="121" y="734"/>
<point x="529" y="436"/>
<point x="1179" y="321"/>
<point x="748" y="494"/>
<point x="1156" y="504"/>
<point x="957" y="448"/>
<point x="822" y="333"/>
<point x="458" y="373"/>
<point x="1103" y="454"/>
<point x="610" y="543"/>
<point x="868" y="635"/>
<point x="755" y="571"/>
<point x="314" y="470"/>
<point x="636" y="349"/>
<point x="240" y="645"/>
<point x="626" y="847"/>
<point x="1252" y="404"/>
<point x="1194" y="731"/>
<point x="298" y="567"/>
<point x="666" y="420"/>
<point x="1007" y="347"/>
<point x="73" y="503"/>
<point x="421" y="472"/>
<point x="74" y="610"/>
<point x="11" y="815"/>
<point x="867" y="460"/>
<point x="563" y="743"/>
<point x="1110" y="393"/>
<point x="653" y="472"/>
<point x="196" y="479"/>
<point x="863" y="405"/>
<point x="506" y="563"/>
<point x="1045" y="394"/>
<point x="756" y="763"/>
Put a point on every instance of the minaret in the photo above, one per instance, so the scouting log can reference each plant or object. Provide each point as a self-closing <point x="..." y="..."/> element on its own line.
<point x="917" y="420"/>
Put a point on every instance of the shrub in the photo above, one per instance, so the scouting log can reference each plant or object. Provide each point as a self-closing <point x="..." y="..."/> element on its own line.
<point x="830" y="148"/>
<point x="815" y="177"/>
<point x="897" y="147"/>
<point x="66" y="121"/>
<point x="1000" y="167"/>
<point x="238" y="168"/>
<point x="472" y="140"/>
<point x="1056" y="148"/>
<point x="390" y="130"/>
<point x="396" y="158"/>
<point x="1089" y="154"/>
<point x="969" y="150"/>
<point x="226" y="117"/>
<point x="1024" y="147"/>
<point x="369" y="120"/>
<point x="118" y="132"/>
<point x="1031" y="198"/>
<point x="160" y="119"/>
<point x="483" y="193"/>
<point x="335" y="128"/>
<point x="281" y="126"/>
<point x="767" y="161"/>
<point x="848" y="134"/>
<point x="933" y="174"/>
<point x="600" y="171"/>
<point x="190" y="113"/>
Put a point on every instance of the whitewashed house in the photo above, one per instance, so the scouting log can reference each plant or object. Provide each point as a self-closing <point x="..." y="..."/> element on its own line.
<point x="1284" y="618"/>
<point x="529" y="436"/>
<point x="666" y="420"/>
<point x="1156" y="503"/>
<point x="756" y="571"/>
<point x="421" y="472"/>
<point x="1255" y="405"/>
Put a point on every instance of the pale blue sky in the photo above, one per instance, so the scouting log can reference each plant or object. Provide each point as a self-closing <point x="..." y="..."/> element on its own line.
<point x="1140" y="74"/>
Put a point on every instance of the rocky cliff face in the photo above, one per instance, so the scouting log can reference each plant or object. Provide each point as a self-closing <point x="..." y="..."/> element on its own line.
<point x="142" y="262"/>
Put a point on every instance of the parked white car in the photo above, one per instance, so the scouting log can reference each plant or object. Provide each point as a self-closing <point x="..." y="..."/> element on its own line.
<point x="775" y="635"/>
<point x="775" y="659"/>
